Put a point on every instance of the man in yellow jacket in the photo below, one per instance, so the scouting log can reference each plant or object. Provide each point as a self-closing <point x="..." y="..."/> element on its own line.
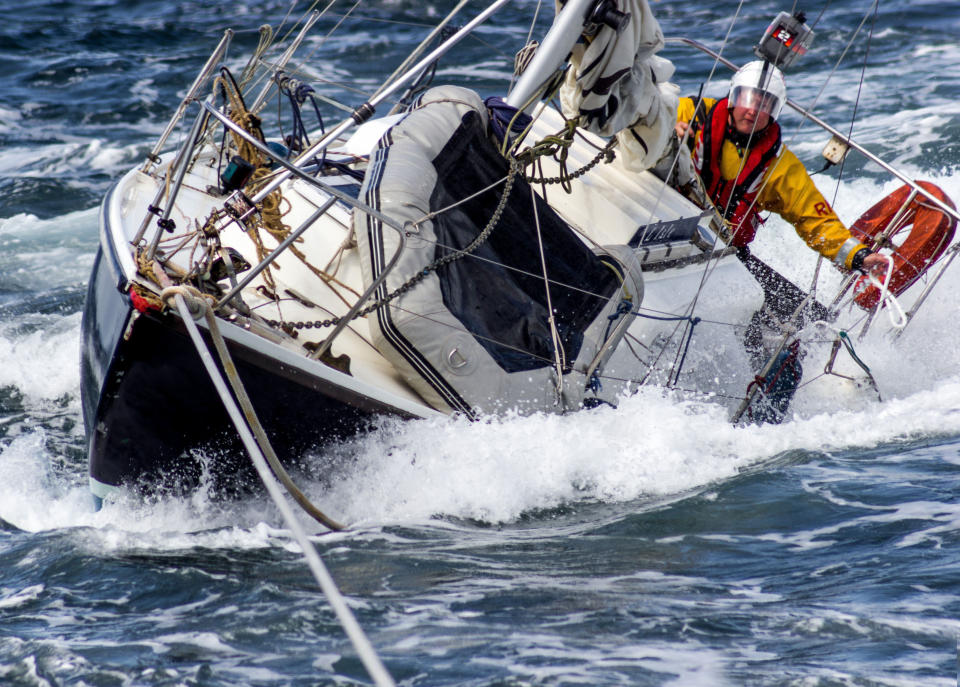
<point x="745" y="169"/>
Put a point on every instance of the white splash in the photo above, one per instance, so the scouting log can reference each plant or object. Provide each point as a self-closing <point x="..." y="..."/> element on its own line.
<point x="655" y="445"/>
<point x="37" y="254"/>
<point x="41" y="364"/>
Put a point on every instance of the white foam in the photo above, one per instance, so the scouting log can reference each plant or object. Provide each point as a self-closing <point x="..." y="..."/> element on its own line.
<point x="146" y="91"/>
<point x="207" y="641"/>
<point x="38" y="254"/>
<point x="653" y="445"/>
<point x="62" y="159"/>
<point x="12" y="598"/>
<point x="42" y="363"/>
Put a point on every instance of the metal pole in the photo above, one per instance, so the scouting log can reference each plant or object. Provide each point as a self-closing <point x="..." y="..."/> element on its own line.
<point x="423" y="45"/>
<point x="929" y="287"/>
<point x="364" y="297"/>
<point x="184" y="160"/>
<point x="566" y="30"/>
<point x="362" y="113"/>
<point x="204" y="74"/>
<point x="263" y="264"/>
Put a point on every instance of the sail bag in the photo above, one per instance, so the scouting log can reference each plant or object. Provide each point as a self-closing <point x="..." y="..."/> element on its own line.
<point x="475" y="335"/>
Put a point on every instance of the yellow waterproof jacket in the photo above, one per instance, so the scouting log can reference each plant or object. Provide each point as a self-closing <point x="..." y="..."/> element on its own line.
<point x="789" y="191"/>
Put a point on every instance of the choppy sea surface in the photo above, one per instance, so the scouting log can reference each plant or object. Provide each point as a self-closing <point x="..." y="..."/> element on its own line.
<point x="652" y="544"/>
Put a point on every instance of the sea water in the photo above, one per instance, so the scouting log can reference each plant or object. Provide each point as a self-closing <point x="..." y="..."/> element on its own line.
<point x="651" y="544"/>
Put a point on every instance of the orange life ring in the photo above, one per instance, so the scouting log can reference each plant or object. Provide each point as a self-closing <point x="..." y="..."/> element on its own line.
<point x="928" y="232"/>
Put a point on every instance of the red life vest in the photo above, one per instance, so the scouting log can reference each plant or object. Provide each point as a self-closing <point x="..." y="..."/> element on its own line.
<point x="736" y="198"/>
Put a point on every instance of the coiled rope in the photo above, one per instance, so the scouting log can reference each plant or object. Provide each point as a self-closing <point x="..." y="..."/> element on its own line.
<point x="269" y="216"/>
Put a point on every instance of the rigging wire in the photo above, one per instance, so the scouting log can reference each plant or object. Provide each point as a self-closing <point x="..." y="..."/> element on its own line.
<point x="843" y="161"/>
<point x="558" y="351"/>
<point x="682" y="149"/>
<point x="299" y="70"/>
<point x="367" y="19"/>
<point x="856" y="102"/>
<point x="303" y="17"/>
<point x="533" y="23"/>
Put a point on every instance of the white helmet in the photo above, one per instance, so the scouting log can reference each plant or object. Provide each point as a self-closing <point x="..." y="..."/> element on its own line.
<point x="758" y="85"/>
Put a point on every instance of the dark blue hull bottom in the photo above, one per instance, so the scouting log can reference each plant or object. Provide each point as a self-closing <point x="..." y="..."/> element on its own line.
<point x="154" y="420"/>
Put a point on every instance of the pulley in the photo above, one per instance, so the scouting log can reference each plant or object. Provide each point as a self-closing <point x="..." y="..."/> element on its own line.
<point x="605" y="13"/>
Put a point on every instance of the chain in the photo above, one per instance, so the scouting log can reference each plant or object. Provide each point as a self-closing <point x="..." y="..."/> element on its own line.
<point x="422" y="274"/>
<point x="605" y="154"/>
<point x="558" y="146"/>
<point x="552" y="145"/>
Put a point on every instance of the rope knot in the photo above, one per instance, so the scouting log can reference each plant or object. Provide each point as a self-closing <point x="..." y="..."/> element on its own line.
<point x="758" y="382"/>
<point x="198" y="303"/>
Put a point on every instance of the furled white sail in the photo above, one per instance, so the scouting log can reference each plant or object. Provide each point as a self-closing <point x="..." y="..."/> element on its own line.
<point x="618" y="85"/>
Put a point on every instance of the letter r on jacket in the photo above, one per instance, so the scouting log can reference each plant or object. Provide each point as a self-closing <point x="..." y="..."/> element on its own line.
<point x="822" y="209"/>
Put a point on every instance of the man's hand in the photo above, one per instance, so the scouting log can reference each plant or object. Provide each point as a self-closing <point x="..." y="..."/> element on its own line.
<point x="876" y="264"/>
<point x="681" y="129"/>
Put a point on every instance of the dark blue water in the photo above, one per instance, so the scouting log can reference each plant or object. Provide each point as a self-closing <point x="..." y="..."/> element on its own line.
<point x="650" y="545"/>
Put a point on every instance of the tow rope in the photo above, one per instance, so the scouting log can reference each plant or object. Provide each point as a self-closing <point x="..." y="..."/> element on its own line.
<point x="198" y="307"/>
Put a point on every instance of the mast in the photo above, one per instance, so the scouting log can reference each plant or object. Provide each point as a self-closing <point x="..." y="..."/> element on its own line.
<point x="553" y="51"/>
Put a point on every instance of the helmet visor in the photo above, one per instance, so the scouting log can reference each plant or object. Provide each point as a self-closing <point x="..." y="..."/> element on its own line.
<point x="756" y="99"/>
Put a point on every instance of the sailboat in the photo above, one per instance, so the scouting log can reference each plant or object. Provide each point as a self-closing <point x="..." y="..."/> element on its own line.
<point x="268" y="288"/>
